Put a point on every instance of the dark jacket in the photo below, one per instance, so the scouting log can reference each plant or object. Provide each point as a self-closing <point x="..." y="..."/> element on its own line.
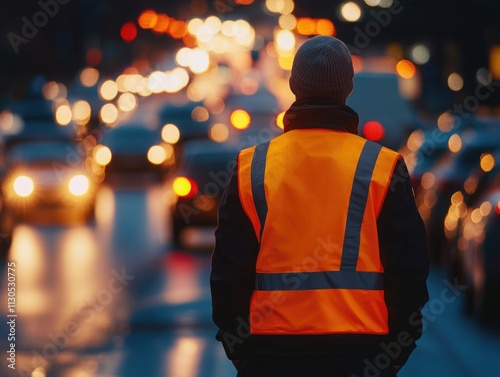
<point x="403" y="249"/>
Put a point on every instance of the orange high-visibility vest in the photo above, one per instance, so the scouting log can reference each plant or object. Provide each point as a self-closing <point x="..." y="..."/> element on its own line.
<point x="313" y="197"/>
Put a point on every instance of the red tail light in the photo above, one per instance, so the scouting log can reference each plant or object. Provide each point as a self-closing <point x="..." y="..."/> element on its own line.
<point x="497" y="209"/>
<point x="373" y="130"/>
<point x="185" y="187"/>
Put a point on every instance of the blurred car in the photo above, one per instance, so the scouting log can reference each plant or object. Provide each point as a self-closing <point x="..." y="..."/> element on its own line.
<point x="422" y="150"/>
<point x="48" y="181"/>
<point x="480" y="255"/>
<point x="133" y="148"/>
<point x="447" y="177"/>
<point x="36" y="130"/>
<point x="33" y="108"/>
<point x="196" y="186"/>
<point x="385" y="116"/>
<point x="462" y="204"/>
<point x="183" y="122"/>
<point x="262" y="107"/>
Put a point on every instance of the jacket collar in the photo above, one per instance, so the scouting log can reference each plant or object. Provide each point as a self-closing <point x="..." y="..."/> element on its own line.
<point x="317" y="112"/>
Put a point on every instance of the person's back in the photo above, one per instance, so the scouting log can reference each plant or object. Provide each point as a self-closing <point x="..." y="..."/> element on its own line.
<point x="321" y="259"/>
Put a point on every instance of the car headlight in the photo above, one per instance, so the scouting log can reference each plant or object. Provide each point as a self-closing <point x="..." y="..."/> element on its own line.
<point x="79" y="185"/>
<point x="23" y="186"/>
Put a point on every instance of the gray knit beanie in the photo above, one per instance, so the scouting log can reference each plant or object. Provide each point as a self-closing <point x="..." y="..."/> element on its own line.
<point x="322" y="67"/>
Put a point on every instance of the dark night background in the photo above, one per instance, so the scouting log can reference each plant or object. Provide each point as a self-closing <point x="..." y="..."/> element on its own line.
<point x="459" y="34"/>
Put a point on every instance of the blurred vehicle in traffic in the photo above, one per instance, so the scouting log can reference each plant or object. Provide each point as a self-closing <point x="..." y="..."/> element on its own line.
<point x="422" y="150"/>
<point x="261" y="106"/>
<point x="183" y="122"/>
<point x="197" y="184"/>
<point x="448" y="176"/>
<point x="480" y="255"/>
<point x="32" y="118"/>
<point x="385" y="116"/>
<point x="48" y="181"/>
<point x="133" y="148"/>
<point x="462" y="204"/>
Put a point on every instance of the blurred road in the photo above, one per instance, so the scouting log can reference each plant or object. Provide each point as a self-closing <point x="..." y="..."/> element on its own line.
<point x="114" y="299"/>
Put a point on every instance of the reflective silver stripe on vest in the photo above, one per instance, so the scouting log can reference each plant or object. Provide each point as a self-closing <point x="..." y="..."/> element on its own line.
<point x="257" y="176"/>
<point x="347" y="277"/>
<point x="357" y="204"/>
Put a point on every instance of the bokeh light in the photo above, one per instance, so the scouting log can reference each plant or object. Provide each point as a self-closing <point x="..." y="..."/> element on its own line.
<point x="287" y="21"/>
<point x="128" y="32"/>
<point x="373" y="130"/>
<point x="89" y="77"/>
<point x="81" y="112"/>
<point x="63" y="115"/>
<point x="350" y="11"/>
<point x="420" y="53"/>
<point x="108" y="90"/>
<point x="170" y="133"/>
<point x="23" y="186"/>
<point x="455" y="82"/>
<point x="285" y="40"/>
<point x="406" y="69"/>
<point x="200" y="114"/>
<point x="127" y="102"/>
<point x="455" y="143"/>
<point x="325" y="27"/>
<point x="446" y="122"/>
<point x="240" y="119"/>
<point x="102" y="155"/>
<point x="147" y="19"/>
<point x="487" y="162"/>
<point x="109" y="113"/>
<point x="219" y="132"/>
<point x="157" y="155"/>
<point x="79" y="185"/>
<point x="162" y="23"/>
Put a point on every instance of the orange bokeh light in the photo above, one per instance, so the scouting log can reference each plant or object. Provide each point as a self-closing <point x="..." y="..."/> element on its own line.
<point x="162" y="23"/>
<point x="177" y="29"/>
<point x="325" y="27"/>
<point x="306" y="26"/>
<point x="148" y="19"/>
<point x="189" y="40"/>
<point x="406" y="69"/>
<point x="240" y="119"/>
<point x="243" y="2"/>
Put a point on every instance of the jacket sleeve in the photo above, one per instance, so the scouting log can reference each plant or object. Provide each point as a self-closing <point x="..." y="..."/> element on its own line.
<point x="405" y="258"/>
<point x="232" y="277"/>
